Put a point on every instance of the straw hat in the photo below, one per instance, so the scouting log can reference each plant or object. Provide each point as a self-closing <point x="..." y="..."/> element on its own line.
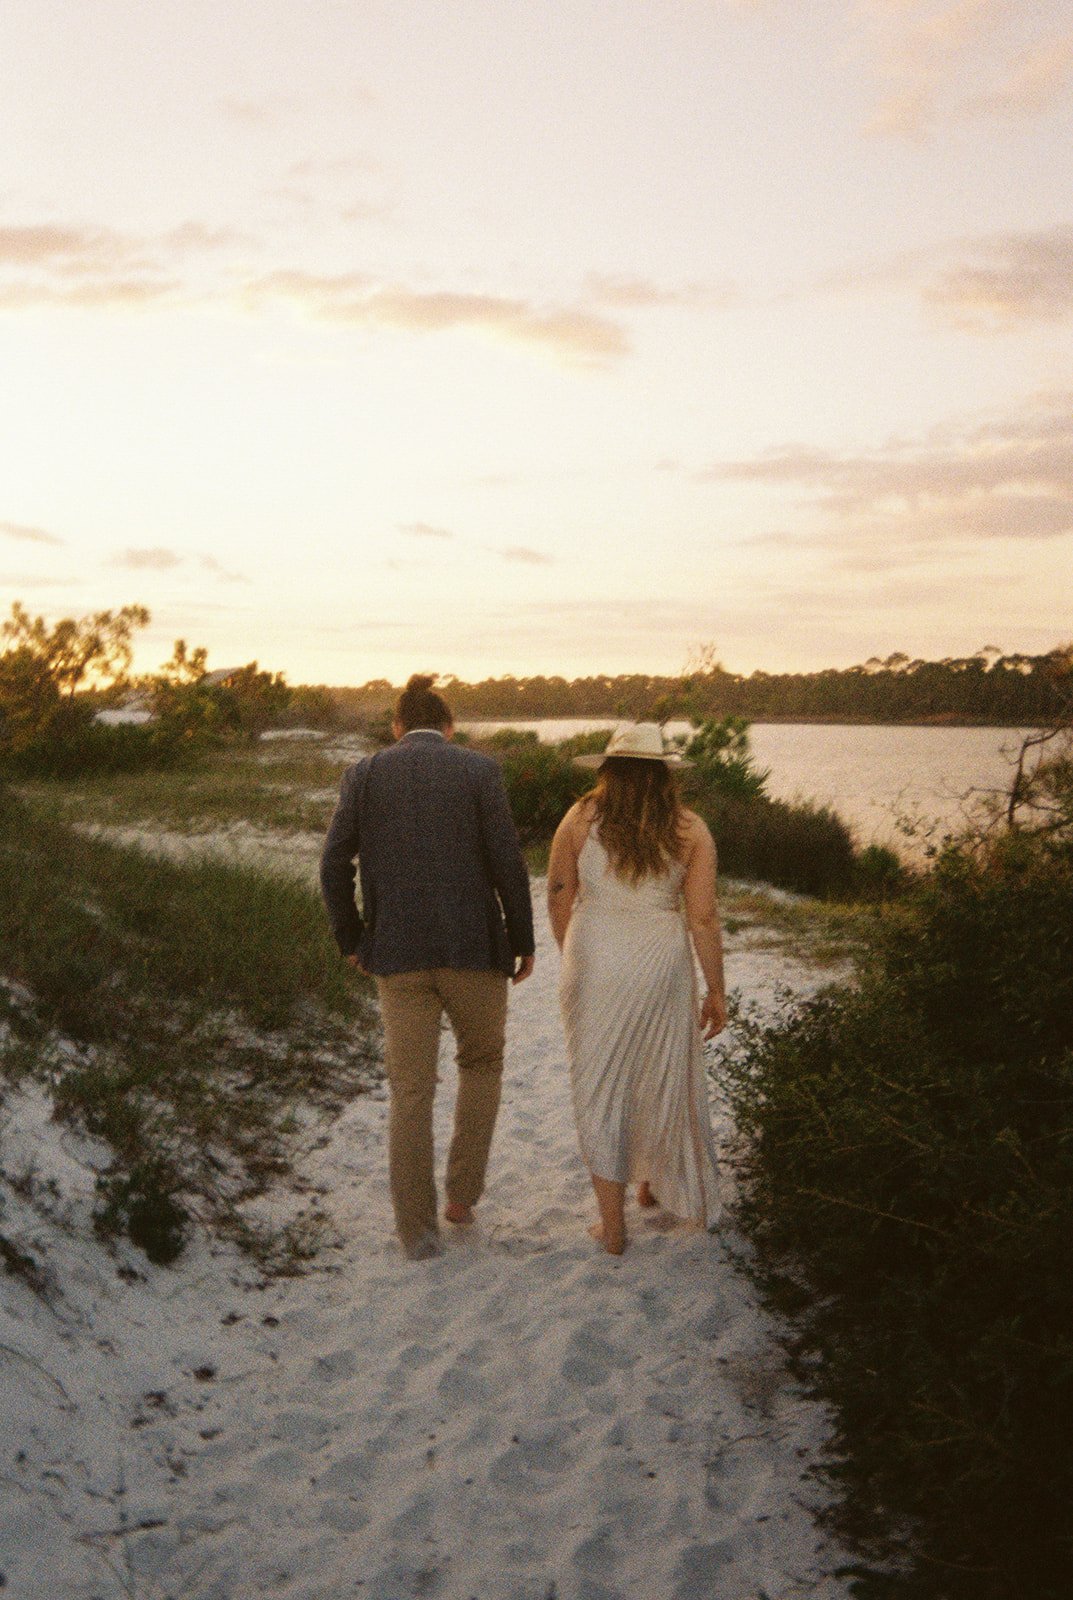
<point x="640" y="741"/>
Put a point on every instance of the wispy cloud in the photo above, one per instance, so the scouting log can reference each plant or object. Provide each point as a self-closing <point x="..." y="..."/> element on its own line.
<point x="424" y="530"/>
<point x="52" y="264"/>
<point x="315" y="167"/>
<point x="1030" y="83"/>
<point x="79" y="265"/>
<point x="570" y="333"/>
<point x="211" y="564"/>
<point x="525" y="555"/>
<point x="28" y="535"/>
<point x="986" y="284"/>
<point x="1006" y="479"/>
<point x="248" y="112"/>
<point x="157" y="559"/>
<point x="623" y="293"/>
<point x="51" y="244"/>
<point x="1006" y="279"/>
<point x="947" y="61"/>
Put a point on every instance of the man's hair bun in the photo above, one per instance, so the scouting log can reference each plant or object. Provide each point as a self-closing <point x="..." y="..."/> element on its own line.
<point x="420" y="706"/>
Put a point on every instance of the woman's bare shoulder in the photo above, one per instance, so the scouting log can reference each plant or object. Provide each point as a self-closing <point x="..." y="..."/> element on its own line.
<point x="694" y="829"/>
<point x="578" y="820"/>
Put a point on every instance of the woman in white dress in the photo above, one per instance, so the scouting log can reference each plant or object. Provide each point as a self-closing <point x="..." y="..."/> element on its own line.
<point x="631" y="895"/>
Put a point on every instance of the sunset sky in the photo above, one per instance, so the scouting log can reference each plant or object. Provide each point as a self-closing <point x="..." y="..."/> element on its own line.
<point x="368" y="336"/>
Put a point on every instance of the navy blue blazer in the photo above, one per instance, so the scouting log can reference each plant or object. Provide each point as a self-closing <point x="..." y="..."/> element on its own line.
<point x="443" y="882"/>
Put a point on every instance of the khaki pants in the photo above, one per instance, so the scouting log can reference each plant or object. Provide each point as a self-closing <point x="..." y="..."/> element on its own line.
<point x="412" y="1005"/>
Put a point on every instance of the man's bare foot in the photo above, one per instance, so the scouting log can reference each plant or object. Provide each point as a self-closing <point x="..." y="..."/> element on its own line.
<point x="424" y="1248"/>
<point x="613" y="1243"/>
<point x="645" y="1197"/>
<point x="455" y="1211"/>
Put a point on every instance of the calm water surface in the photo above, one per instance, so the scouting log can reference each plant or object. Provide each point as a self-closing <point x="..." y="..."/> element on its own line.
<point x="871" y="775"/>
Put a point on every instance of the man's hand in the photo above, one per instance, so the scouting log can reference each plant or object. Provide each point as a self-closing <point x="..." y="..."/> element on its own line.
<point x="713" y="1014"/>
<point x="523" y="969"/>
<point x="355" y="962"/>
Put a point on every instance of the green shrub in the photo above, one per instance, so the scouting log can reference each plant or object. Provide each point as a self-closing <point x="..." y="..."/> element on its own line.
<point x="541" y="785"/>
<point x="908" y="1179"/>
<point x="84" y="748"/>
<point x="592" y="743"/>
<point x="800" y="846"/>
<point x="878" y="873"/>
<point x="510" y="739"/>
<point x="144" y="1204"/>
<point x="719" y="749"/>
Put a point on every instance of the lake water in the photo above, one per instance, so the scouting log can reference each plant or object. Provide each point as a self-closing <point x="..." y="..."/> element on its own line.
<point x="871" y="775"/>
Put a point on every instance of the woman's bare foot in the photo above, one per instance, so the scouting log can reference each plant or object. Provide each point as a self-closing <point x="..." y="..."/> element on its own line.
<point x="455" y="1211"/>
<point x="645" y="1197"/>
<point x="613" y="1242"/>
<point x="611" y="1228"/>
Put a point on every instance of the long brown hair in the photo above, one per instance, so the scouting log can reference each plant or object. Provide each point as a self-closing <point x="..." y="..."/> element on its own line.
<point x="638" y="816"/>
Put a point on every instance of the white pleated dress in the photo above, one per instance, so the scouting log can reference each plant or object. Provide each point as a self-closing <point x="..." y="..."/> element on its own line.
<point x="629" y="1000"/>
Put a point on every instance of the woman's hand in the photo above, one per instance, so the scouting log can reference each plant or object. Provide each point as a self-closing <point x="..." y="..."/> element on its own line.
<point x="713" y="1014"/>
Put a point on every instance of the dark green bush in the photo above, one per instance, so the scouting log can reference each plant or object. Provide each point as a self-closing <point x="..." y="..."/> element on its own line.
<point x="592" y="743"/>
<point x="804" y="847"/>
<point x="83" y="748"/>
<point x="908" y="1155"/>
<point x="541" y="785"/>
<point x="510" y="739"/>
<point x="723" y="761"/>
<point x="878" y="873"/>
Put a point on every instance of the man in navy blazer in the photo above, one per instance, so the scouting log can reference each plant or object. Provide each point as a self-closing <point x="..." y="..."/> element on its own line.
<point x="445" y="921"/>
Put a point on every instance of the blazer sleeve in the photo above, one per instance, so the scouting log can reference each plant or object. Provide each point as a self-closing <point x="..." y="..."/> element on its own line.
<point x="505" y="859"/>
<point x="337" y="870"/>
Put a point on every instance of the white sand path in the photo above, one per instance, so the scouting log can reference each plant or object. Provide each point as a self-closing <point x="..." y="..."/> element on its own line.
<point x="523" y="1419"/>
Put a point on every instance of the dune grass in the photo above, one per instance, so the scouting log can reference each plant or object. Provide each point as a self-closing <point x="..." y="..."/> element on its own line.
<point x="190" y="1014"/>
<point x="289" y="790"/>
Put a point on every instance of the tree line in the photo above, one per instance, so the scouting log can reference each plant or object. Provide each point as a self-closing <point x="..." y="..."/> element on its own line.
<point x="1003" y="690"/>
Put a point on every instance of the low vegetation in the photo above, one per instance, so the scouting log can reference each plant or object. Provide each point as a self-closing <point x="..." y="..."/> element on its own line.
<point x="192" y="1015"/>
<point x="907" y="1177"/>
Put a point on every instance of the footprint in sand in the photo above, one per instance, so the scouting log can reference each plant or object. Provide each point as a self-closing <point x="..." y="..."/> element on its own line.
<point x="463" y="1381"/>
<point x="537" y="1456"/>
<point x="418" y="1355"/>
<point x="335" y="1367"/>
<point x="701" y="1570"/>
<point x="591" y="1359"/>
<point x="308" y="1428"/>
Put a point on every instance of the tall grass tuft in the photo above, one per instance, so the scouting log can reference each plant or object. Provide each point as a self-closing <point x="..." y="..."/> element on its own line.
<point x="183" y="1012"/>
<point x="908" y="1167"/>
<point x="801" y="846"/>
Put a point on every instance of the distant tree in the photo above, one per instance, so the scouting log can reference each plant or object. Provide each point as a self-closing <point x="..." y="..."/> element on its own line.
<point x="192" y="706"/>
<point x="252" y="700"/>
<point x="97" y="647"/>
<point x="45" y="664"/>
